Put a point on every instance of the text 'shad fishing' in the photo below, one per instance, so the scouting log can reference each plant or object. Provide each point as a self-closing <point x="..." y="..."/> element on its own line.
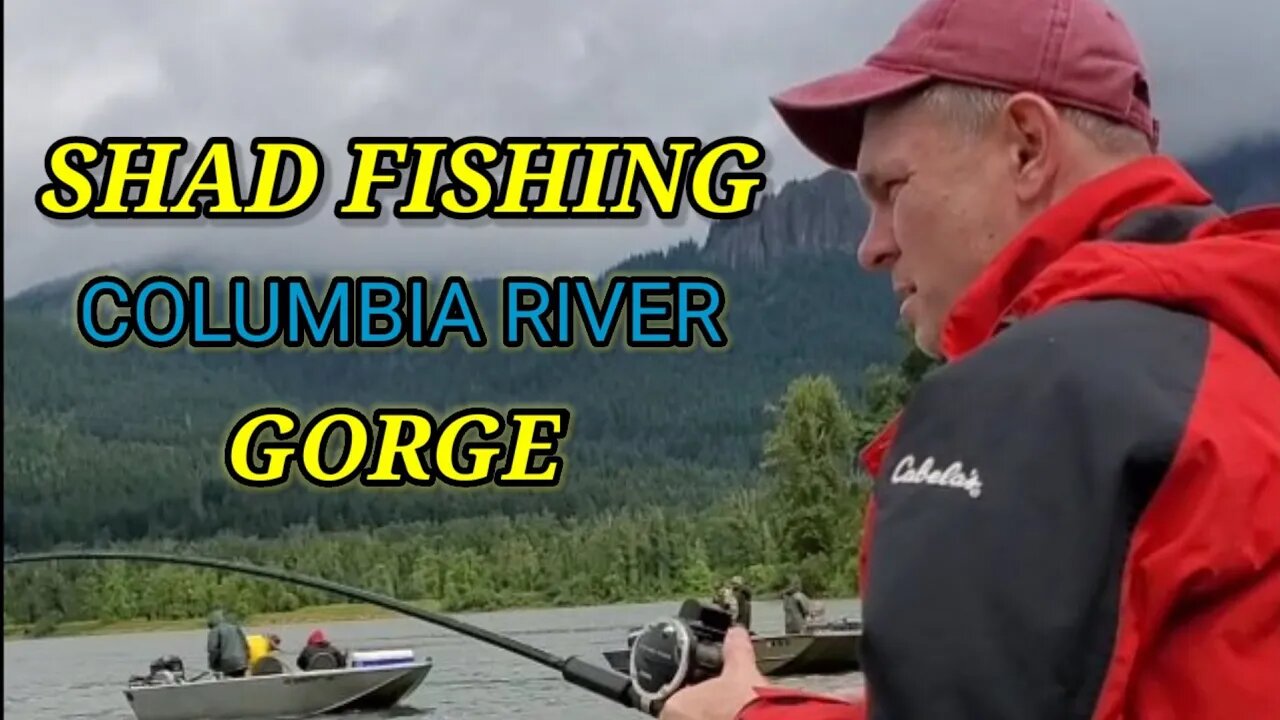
<point x="463" y="179"/>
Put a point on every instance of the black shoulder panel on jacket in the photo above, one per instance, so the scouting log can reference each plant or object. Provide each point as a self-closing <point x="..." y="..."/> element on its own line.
<point x="1005" y="507"/>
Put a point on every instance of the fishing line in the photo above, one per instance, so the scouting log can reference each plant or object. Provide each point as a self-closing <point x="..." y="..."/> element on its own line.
<point x="589" y="676"/>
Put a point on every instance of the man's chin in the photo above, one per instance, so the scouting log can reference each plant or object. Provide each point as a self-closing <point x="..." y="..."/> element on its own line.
<point x="926" y="339"/>
<point x="923" y="337"/>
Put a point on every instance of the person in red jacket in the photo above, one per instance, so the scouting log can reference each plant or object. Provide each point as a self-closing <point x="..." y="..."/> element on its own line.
<point x="1078" y="514"/>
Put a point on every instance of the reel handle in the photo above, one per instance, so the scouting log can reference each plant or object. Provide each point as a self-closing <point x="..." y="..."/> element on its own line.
<point x="710" y="658"/>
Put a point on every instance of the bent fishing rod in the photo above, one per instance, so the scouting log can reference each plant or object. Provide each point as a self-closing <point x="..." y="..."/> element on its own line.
<point x="666" y="654"/>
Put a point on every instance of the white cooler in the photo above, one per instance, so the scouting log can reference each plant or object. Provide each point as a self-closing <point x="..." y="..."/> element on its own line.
<point x="381" y="658"/>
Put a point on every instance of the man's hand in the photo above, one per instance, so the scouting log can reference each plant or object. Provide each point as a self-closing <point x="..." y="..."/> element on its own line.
<point x="721" y="697"/>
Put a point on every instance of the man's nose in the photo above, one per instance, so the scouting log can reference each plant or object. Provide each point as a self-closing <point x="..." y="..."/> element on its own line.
<point x="878" y="249"/>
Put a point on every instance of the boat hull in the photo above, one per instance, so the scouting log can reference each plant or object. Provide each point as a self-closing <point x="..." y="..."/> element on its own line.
<point x="820" y="653"/>
<point x="823" y="653"/>
<point x="291" y="695"/>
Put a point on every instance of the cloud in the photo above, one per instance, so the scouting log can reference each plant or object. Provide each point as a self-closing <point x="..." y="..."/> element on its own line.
<point x="326" y="71"/>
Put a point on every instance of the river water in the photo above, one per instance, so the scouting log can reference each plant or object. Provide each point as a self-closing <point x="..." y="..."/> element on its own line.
<point x="82" y="677"/>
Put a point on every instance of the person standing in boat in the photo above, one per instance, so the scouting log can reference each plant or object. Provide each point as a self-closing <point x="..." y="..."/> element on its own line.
<point x="742" y="598"/>
<point x="228" y="648"/>
<point x="726" y="600"/>
<point x="796" y="608"/>
<point x="318" y="645"/>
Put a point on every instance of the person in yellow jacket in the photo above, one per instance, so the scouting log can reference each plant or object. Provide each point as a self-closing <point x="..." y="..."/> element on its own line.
<point x="261" y="646"/>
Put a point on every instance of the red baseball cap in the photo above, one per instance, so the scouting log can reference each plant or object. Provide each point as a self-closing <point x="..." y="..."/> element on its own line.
<point x="1073" y="52"/>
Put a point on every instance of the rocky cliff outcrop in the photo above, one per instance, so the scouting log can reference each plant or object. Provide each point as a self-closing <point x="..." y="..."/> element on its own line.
<point x="805" y="216"/>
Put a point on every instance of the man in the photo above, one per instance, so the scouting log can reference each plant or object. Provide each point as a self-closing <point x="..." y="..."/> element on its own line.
<point x="795" y="609"/>
<point x="725" y="599"/>
<point x="318" y="644"/>
<point x="261" y="646"/>
<point x="742" y="598"/>
<point x="228" y="649"/>
<point x="1078" y="514"/>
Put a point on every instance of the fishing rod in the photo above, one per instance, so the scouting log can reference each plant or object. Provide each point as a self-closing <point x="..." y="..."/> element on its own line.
<point x="666" y="655"/>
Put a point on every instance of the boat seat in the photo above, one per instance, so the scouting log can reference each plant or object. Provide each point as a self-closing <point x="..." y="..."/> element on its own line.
<point x="268" y="665"/>
<point x="323" y="661"/>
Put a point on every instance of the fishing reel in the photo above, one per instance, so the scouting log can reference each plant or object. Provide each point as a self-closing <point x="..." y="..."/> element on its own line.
<point x="673" y="653"/>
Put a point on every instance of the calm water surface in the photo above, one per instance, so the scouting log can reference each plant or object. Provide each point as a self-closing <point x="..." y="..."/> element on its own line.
<point x="65" y="678"/>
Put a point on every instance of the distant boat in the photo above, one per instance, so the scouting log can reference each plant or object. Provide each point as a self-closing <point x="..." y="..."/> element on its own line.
<point x="378" y="684"/>
<point x="827" y="649"/>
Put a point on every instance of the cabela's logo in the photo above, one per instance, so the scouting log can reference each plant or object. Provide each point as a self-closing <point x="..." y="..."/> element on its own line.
<point x="953" y="476"/>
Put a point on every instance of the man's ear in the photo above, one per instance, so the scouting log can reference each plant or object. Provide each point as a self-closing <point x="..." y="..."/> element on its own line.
<point x="1031" y="129"/>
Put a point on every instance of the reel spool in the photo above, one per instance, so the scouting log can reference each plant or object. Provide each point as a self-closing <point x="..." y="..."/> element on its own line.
<point x="672" y="653"/>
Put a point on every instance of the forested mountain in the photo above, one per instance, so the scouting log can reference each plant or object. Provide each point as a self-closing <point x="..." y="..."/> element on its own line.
<point x="108" y="446"/>
<point x="127" y="444"/>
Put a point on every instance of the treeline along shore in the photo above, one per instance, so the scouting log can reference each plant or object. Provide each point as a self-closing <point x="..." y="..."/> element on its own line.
<point x="798" y="514"/>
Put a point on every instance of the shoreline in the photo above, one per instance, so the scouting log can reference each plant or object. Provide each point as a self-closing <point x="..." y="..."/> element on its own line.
<point x="328" y="614"/>
<point x="331" y="613"/>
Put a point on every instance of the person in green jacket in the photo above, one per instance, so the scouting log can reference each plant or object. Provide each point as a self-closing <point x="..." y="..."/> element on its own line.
<point x="228" y="647"/>
<point x="796" y="608"/>
<point x="742" y="598"/>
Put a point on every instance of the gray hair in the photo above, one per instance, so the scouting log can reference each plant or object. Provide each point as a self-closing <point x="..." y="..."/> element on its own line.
<point x="970" y="108"/>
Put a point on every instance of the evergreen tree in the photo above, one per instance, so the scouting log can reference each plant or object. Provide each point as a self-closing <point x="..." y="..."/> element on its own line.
<point x="809" y="458"/>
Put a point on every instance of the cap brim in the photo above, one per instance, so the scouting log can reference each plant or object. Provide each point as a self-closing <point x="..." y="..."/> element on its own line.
<point x="826" y="114"/>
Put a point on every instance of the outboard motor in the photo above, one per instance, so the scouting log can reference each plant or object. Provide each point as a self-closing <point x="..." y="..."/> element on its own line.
<point x="165" y="670"/>
<point x="170" y="663"/>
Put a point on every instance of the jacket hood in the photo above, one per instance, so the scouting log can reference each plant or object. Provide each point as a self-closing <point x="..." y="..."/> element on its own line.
<point x="215" y="618"/>
<point x="1227" y="271"/>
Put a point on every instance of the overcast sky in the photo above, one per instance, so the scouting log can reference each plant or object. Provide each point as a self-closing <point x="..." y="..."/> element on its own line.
<point x="325" y="71"/>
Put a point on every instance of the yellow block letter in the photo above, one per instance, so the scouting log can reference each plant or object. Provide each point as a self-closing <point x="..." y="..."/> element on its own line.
<point x="359" y="201"/>
<point x="269" y="179"/>
<point x="666" y="197"/>
<point x="68" y="176"/>
<point x="315" y="443"/>
<point x="518" y="176"/>
<point x="396" y="457"/>
<point x="216" y="157"/>
<point x="481" y="455"/>
<point x="155" y="179"/>
<point x="526" y="423"/>
<point x="481" y="183"/>
<point x="741" y="190"/>
<point x="276" y="455"/>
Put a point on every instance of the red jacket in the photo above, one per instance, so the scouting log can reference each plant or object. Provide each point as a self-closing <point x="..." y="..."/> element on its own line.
<point x="1078" y="516"/>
